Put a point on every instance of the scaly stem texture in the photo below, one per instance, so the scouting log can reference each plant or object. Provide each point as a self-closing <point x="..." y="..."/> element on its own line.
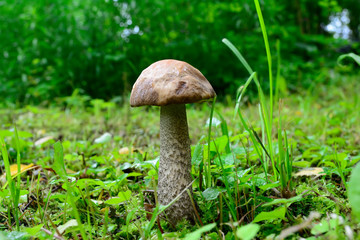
<point x="175" y="162"/>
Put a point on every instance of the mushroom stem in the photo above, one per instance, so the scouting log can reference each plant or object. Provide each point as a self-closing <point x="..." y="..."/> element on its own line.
<point x="175" y="162"/>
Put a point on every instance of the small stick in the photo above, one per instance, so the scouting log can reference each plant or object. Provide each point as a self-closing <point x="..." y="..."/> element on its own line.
<point x="293" y="229"/>
<point x="195" y="210"/>
<point x="50" y="233"/>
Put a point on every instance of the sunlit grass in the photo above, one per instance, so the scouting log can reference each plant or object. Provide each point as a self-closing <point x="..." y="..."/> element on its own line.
<point x="96" y="173"/>
<point x="102" y="173"/>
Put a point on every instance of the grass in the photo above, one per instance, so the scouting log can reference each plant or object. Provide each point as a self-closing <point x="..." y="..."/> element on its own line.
<point x="13" y="187"/>
<point x="110" y="188"/>
<point x="87" y="169"/>
<point x="282" y="163"/>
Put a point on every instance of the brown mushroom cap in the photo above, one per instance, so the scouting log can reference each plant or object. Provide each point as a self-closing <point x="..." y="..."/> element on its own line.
<point x="170" y="82"/>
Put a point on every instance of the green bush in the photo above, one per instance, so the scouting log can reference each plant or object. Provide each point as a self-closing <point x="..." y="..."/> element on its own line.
<point x="50" y="48"/>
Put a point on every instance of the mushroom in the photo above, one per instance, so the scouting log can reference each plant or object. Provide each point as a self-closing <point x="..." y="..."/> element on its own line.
<point x="171" y="84"/>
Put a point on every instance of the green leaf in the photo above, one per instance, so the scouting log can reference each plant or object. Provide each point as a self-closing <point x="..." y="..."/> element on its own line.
<point x="14" y="235"/>
<point x="68" y="224"/>
<point x="86" y="182"/>
<point x="355" y="57"/>
<point x="302" y="164"/>
<point x="248" y="232"/>
<point x="114" y="201"/>
<point x="197" y="156"/>
<point x="217" y="146"/>
<point x="354" y="160"/>
<point x="34" y="230"/>
<point x="59" y="165"/>
<point x="211" y="193"/>
<point x="197" y="234"/>
<point x="269" y="186"/>
<point x="6" y="161"/>
<point x="6" y="133"/>
<point x="122" y="197"/>
<point x="134" y="174"/>
<point x="4" y="193"/>
<point x="354" y="191"/>
<point x="130" y="215"/>
<point x="325" y="226"/>
<point x="243" y="173"/>
<point x="227" y="160"/>
<point x="24" y="134"/>
<point x="283" y="201"/>
<point x="271" y="216"/>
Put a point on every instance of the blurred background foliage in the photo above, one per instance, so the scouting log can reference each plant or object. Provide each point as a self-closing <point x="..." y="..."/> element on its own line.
<point x="49" y="49"/>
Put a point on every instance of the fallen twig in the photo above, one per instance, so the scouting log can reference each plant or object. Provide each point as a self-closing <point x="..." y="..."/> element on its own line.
<point x="293" y="229"/>
<point x="52" y="234"/>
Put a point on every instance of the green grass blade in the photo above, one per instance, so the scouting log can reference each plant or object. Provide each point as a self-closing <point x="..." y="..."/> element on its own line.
<point x="9" y="179"/>
<point x="267" y="121"/>
<point x="278" y="65"/>
<point x="225" y="131"/>
<point x="60" y="169"/>
<point x="208" y="165"/>
<point x="253" y="139"/>
<point x="289" y="162"/>
<point x="151" y="224"/>
<point x="59" y="165"/>
<point x="6" y="161"/>
<point x="231" y="208"/>
<point x="355" y="57"/>
<point x="238" y="55"/>
<point x="228" y="190"/>
<point x="268" y="117"/>
<point x="242" y="90"/>
<point x="281" y="157"/>
<point x="263" y="132"/>
<point x="268" y="55"/>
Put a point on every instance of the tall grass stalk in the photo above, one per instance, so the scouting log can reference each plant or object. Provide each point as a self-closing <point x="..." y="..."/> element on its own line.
<point x="14" y="188"/>
<point x="208" y="163"/>
<point x="284" y="160"/>
<point x="269" y="117"/>
<point x="264" y="160"/>
<point x="264" y="147"/>
<point x="278" y="66"/>
<point x="263" y="107"/>
<point x="268" y="55"/>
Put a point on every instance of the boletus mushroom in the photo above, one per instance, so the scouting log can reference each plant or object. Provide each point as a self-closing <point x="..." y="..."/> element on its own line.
<point x="171" y="84"/>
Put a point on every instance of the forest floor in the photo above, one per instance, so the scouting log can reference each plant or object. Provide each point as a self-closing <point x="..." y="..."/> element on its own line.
<point x="89" y="169"/>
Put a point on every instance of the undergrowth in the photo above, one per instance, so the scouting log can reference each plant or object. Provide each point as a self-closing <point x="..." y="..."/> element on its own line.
<point x="273" y="168"/>
<point x="111" y="159"/>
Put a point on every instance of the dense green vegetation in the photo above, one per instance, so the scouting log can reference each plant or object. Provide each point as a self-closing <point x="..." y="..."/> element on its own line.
<point x="275" y="156"/>
<point x="100" y="47"/>
<point x="114" y="184"/>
